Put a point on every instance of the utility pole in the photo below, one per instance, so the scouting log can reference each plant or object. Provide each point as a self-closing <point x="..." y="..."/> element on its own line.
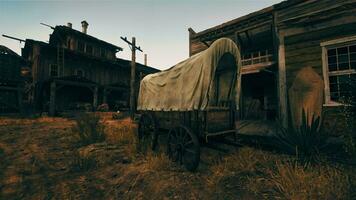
<point x="133" y="47"/>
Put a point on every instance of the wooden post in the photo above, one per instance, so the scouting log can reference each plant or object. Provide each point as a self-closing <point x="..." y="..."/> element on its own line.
<point x="145" y="60"/>
<point x="282" y="83"/>
<point x="19" y="98"/>
<point x="104" y="95"/>
<point x="52" y="99"/>
<point x="132" y="82"/>
<point x="95" y="97"/>
<point x="133" y="75"/>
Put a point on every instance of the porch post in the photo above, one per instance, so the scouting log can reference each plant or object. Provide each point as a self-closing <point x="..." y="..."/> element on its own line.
<point x="282" y="83"/>
<point x="104" y="95"/>
<point x="52" y="99"/>
<point x="19" y="98"/>
<point x="95" y="97"/>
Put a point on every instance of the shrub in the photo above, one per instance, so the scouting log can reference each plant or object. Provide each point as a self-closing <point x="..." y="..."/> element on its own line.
<point x="306" y="142"/>
<point x="89" y="129"/>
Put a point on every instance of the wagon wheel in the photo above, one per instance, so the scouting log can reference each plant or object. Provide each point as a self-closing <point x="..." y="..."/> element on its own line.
<point x="147" y="132"/>
<point x="183" y="147"/>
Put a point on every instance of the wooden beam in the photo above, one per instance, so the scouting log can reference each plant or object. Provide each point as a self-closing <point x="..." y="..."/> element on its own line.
<point x="74" y="83"/>
<point x="52" y="99"/>
<point x="95" y="97"/>
<point x="19" y="98"/>
<point x="248" y="69"/>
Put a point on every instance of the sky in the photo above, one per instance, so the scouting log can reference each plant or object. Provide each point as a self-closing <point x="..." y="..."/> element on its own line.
<point x="160" y="26"/>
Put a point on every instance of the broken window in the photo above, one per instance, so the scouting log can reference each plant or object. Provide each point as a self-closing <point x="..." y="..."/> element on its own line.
<point x="341" y="63"/>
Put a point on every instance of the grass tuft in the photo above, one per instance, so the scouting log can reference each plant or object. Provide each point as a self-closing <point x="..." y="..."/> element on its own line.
<point x="89" y="129"/>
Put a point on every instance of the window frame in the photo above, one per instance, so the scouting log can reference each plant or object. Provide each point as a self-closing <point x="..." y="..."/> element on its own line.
<point x="337" y="43"/>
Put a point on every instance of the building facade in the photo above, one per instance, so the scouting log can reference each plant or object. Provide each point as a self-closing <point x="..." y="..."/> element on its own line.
<point x="276" y="42"/>
<point x="13" y="77"/>
<point x="78" y="71"/>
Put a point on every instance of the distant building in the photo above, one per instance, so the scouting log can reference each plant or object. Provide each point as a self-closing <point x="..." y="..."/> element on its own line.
<point x="76" y="71"/>
<point x="12" y="78"/>
<point x="276" y="42"/>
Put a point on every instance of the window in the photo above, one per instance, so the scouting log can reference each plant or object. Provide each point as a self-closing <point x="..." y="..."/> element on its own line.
<point x="53" y="70"/>
<point x="89" y="49"/>
<point x="80" y="46"/>
<point x="102" y="53"/>
<point x="339" y="68"/>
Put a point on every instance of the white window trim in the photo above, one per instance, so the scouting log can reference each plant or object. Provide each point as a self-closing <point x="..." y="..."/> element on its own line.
<point x="325" y="46"/>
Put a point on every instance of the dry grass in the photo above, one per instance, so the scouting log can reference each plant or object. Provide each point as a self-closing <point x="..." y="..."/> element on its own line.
<point x="292" y="181"/>
<point x="43" y="164"/>
<point x="265" y="175"/>
<point x="89" y="129"/>
<point x="122" y="132"/>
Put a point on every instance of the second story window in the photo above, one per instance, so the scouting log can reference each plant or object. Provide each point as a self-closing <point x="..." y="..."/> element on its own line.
<point x="102" y="53"/>
<point x="89" y="49"/>
<point x="80" y="46"/>
<point x="53" y="70"/>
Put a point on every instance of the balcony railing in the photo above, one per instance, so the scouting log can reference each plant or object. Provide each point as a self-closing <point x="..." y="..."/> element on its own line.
<point x="263" y="56"/>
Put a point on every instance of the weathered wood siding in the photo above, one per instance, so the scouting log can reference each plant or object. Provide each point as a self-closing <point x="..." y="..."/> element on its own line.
<point x="304" y="49"/>
<point x="307" y="24"/>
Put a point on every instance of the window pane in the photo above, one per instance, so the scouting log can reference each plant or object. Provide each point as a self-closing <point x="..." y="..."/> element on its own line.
<point x="353" y="49"/>
<point x="343" y="66"/>
<point x="332" y="79"/>
<point x="332" y="67"/>
<point x="332" y="52"/>
<point x="334" y="96"/>
<point x="342" y="50"/>
<point x="343" y="58"/>
<point x="353" y="65"/>
<point x="332" y="60"/>
<point x="353" y="56"/>
<point x="333" y="88"/>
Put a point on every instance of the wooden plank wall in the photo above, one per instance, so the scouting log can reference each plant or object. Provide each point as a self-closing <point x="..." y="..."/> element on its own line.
<point x="304" y="49"/>
<point x="332" y="19"/>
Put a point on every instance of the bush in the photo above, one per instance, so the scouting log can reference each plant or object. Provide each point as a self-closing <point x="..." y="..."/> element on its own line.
<point x="306" y="142"/>
<point x="89" y="129"/>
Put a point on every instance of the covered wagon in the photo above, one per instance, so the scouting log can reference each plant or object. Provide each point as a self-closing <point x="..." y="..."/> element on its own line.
<point x="192" y="101"/>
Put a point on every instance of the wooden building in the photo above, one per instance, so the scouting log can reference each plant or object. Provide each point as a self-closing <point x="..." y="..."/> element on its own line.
<point x="12" y="79"/>
<point x="276" y="42"/>
<point x="78" y="71"/>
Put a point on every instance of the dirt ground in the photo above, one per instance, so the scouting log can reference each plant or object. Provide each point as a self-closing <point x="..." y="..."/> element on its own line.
<point x="39" y="160"/>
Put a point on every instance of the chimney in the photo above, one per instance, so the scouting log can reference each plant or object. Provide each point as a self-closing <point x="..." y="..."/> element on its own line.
<point x="69" y="25"/>
<point x="145" y="60"/>
<point x="84" y="27"/>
